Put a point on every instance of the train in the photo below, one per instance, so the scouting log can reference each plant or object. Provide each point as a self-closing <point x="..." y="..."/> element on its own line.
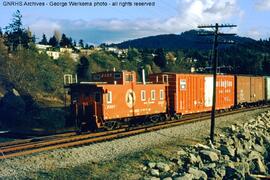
<point x="115" y="98"/>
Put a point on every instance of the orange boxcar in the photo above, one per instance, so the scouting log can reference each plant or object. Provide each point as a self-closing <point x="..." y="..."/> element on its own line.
<point x="192" y="93"/>
<point x="94" y="103"/>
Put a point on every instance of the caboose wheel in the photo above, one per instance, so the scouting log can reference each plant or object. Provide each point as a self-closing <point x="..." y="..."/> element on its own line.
<point x="154" y="118"/>
<point x="163" y="117"/>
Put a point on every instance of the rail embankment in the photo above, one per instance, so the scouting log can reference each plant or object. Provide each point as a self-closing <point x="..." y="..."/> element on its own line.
<point x="241" y="151"/>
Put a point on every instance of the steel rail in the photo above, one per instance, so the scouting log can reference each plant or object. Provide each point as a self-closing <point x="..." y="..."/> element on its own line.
<point x="31" y="140"/>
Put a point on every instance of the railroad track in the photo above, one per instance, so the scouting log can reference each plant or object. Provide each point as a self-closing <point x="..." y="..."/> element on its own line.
<point x="34" y="139"/>
<point x="30" y="146"/>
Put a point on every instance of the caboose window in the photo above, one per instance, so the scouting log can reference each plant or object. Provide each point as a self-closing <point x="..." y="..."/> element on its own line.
<point x="165" y="78"/>
<point x="117" y="76"/>
<point x="153" y="94"/>
<point x="143" y="97"/>
<point x="109" y="97"/>
<point x="129" y="77"/>
<point x="161" y="94"/>
<point x="96" y="77"/>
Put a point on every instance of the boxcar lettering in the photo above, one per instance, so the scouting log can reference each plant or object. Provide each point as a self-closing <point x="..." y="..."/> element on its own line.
<point x="110" y="106"/>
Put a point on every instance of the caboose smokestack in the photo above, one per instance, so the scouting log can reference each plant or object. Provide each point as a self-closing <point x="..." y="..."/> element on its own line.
<point x="143" y="76"/>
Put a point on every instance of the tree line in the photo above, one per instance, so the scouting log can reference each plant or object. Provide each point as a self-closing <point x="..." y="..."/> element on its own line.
<point x="58" y="40"/>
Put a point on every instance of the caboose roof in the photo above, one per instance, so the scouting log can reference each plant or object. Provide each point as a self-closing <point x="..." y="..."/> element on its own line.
<point x="86" y="82"/>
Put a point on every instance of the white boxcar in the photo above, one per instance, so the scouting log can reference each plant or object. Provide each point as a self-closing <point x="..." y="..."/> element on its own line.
<point x="267" y="88"/>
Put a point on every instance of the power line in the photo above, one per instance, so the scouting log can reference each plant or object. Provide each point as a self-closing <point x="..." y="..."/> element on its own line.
<point x="216" y="34"/>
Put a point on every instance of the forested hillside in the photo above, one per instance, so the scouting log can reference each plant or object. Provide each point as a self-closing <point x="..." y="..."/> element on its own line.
<point x="186" y="40"/>
<point x="245" y="56"/>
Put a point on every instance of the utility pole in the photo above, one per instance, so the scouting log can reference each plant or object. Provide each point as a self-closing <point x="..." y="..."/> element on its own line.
<point x="216" y="33"/>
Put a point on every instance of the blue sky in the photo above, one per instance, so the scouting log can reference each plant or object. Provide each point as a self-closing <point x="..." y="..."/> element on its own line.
<point x="115" y="24"/>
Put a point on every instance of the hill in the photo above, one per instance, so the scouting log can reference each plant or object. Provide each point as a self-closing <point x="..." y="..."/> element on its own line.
<point x="186" y="40"/>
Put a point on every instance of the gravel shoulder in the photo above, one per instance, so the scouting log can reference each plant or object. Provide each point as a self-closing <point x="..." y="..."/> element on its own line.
<point x="102" y="157"/>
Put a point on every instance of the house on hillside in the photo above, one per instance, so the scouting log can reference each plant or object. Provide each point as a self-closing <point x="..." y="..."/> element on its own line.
<point x="53" y="54"/>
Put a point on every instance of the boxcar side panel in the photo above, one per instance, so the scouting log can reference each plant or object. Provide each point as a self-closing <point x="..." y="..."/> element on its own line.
<point x="225" y="92"/>
<point x="257" y="89"/>
<point x="250" y="89"/>
<point x="243" y="91"/>
<point x="190" y="93"/>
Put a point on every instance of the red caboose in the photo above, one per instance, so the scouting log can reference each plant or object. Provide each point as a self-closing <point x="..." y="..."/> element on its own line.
<point x="114" y="97"/>
<point x="192" y="93"/>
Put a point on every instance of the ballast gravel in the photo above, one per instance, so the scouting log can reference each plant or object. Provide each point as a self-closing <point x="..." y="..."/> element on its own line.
<point x="20" y="167"/>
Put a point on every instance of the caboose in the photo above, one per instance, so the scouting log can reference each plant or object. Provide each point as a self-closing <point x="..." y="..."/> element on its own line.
<point x="112" y="98"/>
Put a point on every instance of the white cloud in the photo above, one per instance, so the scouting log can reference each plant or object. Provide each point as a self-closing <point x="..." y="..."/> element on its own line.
<point x="190" y="14"/>
<point x="263" y="5"/>
<point x="209" y="11"/>
<point x="45" y="26"/>
<point x="254" y="33"/>
<point x="261" y="32"/>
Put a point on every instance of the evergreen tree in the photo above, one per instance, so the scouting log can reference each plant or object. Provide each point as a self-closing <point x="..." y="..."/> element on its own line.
<point x="82" y="68"/>
<point x="1" y="33"/>
<point x="133" y="55"/>
<point x="160" y="59"/>
<point x="53" y="42"/>
<point x="266" y="65"/>
<point x="70" y="42"/>
<point x="15" y="34"/>
<point x="91" y="47"/>
<point x="16" y="24"/>
<point x="33" y="39"/>
<point x="147" y="57"/>
<point x="81" y="43"/>
<point x="44" y="40"/>
<point x="65" y="42"/>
